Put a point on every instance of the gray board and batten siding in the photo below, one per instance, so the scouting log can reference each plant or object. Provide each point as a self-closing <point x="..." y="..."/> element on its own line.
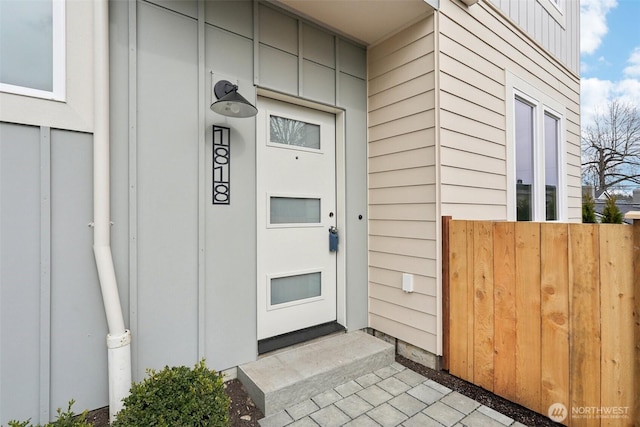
<point x="186" y="269"/>
<point x="52" y="325"/>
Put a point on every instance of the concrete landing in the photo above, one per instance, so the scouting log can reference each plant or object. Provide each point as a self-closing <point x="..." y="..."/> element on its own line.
<point x="283" y="379"/>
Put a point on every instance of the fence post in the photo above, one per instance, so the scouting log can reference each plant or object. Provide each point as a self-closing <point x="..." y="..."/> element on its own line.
<point x="635" y="216"/>
<point x="445" y="292"/>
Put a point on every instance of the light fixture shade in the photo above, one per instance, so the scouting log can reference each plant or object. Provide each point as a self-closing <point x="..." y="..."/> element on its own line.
<point x="230" y="103"/>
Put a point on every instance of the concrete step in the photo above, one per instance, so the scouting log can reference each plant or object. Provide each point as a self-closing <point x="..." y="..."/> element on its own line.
<point x="283" y="379"/>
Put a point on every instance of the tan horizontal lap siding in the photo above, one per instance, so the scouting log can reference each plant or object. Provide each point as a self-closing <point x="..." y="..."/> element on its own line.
<point x="477" y="46"/>
<point x="402" y="185"/>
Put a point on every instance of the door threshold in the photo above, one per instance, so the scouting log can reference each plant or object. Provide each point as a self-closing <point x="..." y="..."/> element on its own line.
<point x="296" y="337"/>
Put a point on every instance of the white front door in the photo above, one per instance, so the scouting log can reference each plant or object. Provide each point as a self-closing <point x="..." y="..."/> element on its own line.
<point x="296" y="206"/>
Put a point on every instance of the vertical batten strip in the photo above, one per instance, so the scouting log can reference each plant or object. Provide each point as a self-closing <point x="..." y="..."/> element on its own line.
<point x="300" y="59"/>
<point x="133" y="181"/>
<point x="202" y="186"/>
<point x="45" y="272"/>
<point x="256" y="43"/>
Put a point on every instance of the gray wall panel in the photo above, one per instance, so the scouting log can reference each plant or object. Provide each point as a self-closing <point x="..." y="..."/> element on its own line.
<point x="319" y="82"/>
<point x="352" y="59"/>
<point x="185" y="7"/>
<point x="167" y="173"/>
<point x="278" y="70"/>
<point x="234" y="16"/>
<point x="119" y="111"/>
<point x="278" y="30"/>
<point x="19" y="271"/>
<point x="352" y="96"/>
<point x="318" y="46"/>
<point x="228" y="53"/>
<point x="78" y="323"/>
<point x="230" y="233"/>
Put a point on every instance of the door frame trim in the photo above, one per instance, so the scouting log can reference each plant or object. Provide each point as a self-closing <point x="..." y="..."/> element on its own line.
<point x="341" y="201"/>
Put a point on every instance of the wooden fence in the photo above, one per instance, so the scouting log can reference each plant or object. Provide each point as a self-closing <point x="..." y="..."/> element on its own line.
<point x="543" y="314"/>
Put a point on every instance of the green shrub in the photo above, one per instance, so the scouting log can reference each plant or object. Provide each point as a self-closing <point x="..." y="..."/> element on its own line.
<point x="176" y="397"/>
<point x="65" y="419"/>
<point x="611" y="214"/>
<point x="588" y="209"/>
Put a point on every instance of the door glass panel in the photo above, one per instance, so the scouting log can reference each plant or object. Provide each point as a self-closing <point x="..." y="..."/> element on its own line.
<point x="294" y="132"/>
<point x="293" y="288"/>
<point x="294" y="210"/>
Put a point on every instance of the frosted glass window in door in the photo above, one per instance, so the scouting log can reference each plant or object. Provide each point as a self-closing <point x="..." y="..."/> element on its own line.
<point x="294" y="132"/>
<point x="294" y="210"/>
<point x="294" y="288"/>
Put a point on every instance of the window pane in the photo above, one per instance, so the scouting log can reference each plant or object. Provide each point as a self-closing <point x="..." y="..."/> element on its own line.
<point x="551" y="166"/>
<point x="294" y="132"/>
<point x="524" y="160"/>
<point x="293" y="288"/>
<point x="290" y="210"/>
<point x="26" y="43"/>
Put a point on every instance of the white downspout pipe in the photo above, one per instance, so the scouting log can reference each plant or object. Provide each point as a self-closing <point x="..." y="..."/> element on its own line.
<point x="119" y="338"/>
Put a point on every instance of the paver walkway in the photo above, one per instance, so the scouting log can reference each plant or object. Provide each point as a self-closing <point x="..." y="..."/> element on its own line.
<point x="391" y="396"/>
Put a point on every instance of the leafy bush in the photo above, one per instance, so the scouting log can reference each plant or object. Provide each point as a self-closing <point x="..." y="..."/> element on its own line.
<point x="175" y="397"/>
<point x="611" y="214"/>
<point x="65" y="419"/>
<point x="588" y="209"/>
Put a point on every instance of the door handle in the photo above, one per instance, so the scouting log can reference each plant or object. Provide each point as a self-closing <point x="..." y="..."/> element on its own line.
<point x="333" y="239"/>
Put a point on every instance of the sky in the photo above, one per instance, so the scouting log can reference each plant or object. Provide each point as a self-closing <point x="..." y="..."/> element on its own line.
<point x="609" y="54"/>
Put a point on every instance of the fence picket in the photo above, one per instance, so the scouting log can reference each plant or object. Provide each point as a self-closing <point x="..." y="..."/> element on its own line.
<point x="504" y="381"/>
<point x="483" y="304"/>
<point x="616" y="304"/>
<point x="554" y="307"/>
<point x="458" y="299"/>
<point x="528" y="314"/>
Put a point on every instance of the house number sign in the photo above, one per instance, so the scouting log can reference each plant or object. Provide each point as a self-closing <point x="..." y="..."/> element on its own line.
<point x="221" y="165"/>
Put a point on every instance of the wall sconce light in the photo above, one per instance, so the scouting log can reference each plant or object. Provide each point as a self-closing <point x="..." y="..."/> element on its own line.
<point x="230" y="103"/>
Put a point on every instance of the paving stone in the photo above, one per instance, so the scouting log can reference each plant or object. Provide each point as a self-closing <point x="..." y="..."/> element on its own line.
<point x="398" y="366"/>
<point x="393" y="386"/>
<point x="347" y="389"/>
<point x="326" y="398"/>
<point x="302" y="409"/>
<point x="361" y="421"/>
<point x="354" y="406"/>
<point x="410" y="377"/>
<point x="279" y="419"/>
<point x="407" y="404"/>
<point x="426" y="394"/>
<point x="330" y="416"/>
<point x="386" y="372"/>
<point x="460" y="402"/>
<point x="421" y="420"/>
<point x="304" y="422"/>
<point x="517" y="424"/>
<point x="386" y="415"/>
<point x="501" y="418"/>
<point x="367" y="380"/>
<point x="437" y="386"/>
<point x="478" y="419"/>
<point x="374" y="395"/>
<point x="444" y="414"/>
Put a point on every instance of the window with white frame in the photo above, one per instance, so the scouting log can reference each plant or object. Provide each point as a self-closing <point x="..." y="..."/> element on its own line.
<point x="535" y="153"/>
<point x="537" y="145"/>
<point x="32" y="42"/>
